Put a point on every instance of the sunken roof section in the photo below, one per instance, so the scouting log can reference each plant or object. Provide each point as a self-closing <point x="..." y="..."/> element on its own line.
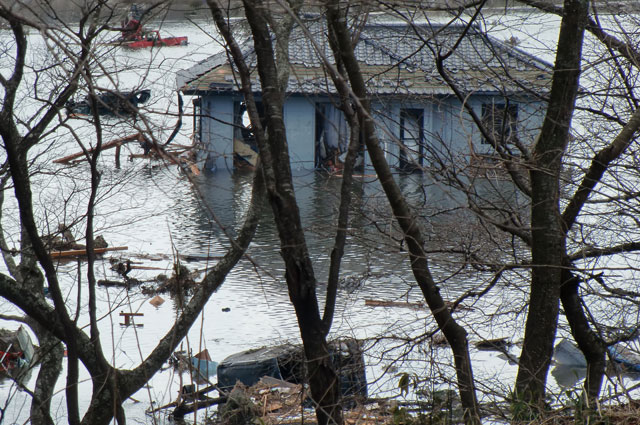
<point x="395" y="58"/>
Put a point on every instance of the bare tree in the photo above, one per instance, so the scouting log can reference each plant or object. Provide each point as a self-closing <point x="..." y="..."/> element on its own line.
<point x="571" y="157"/>
<point x="455" y="334"/>
<point x="26" y="132"/>
<point x="272" y="66"/>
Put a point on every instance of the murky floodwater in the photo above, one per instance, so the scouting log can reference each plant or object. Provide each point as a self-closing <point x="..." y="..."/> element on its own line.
<point x="157" y="213"/>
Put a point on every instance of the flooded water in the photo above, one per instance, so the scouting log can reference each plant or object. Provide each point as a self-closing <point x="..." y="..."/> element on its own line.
<point x="160" y="215"/>
<point x="157" y="213"/>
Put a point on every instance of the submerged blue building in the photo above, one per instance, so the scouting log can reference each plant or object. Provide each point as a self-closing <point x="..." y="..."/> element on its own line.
<point x="420" y="121"/>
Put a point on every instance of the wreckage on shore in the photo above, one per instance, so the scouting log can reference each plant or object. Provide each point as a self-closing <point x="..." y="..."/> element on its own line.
<point x="16" y="353"/>
<point x="272" y="379"/>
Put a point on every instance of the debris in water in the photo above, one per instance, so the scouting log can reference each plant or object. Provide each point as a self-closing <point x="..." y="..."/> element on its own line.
<point x="156" y="301"/>
<point x="128" y="318"/>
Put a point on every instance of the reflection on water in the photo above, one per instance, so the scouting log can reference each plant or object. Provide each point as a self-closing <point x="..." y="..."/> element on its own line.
<point x="568" y="377"/>
<point x="252" y="307"/>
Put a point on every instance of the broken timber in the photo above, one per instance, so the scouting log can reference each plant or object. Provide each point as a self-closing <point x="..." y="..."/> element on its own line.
<point x="384" y="303"/>
<point x="83" y="252"/>
<point x="138" y="137"/>
<point x="128" y="318"/>
<point x="183" y="409"/>
<point x="199" y="395"/>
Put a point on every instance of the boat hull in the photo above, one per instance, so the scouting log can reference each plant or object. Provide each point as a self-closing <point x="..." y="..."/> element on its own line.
<point x="161" y="42"/>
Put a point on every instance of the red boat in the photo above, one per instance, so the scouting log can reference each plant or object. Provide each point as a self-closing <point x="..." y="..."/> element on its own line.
<point x="134" y="37"/>
<point x="153" y="39"/>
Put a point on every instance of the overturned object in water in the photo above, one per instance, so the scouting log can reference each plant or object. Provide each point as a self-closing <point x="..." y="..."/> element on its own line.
<point x="110" y="103"/>
<point x="203" y="366"/>
<point x="568" y="354"/>
<point x="16" y="349"/>
<point x="625" y="356"/>
<point x="286" y="362"/>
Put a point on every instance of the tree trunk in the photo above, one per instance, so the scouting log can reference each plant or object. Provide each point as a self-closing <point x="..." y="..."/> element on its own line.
<point x="589" y="342"/>
<point x="273" y="147"/>
<point x="455" y="334"/>
<point x="548" y="240"/>
<point x="52" y="351"/>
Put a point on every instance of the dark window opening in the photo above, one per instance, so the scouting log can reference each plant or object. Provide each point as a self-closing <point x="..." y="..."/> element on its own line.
<point x="412" y="149"/>
<point x="197" y="119"/>
<point x="332" y="139"/>
<point x="501" y="121"/>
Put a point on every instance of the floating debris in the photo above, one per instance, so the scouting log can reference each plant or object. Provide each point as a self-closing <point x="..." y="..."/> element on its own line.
<point x="497" y="344"/>
<point x="16" y="348"/>
<point x="83" y="252"/>
<point x="286" y="362"/>
<point x="156" y="301"/>
<point x="625" y="356"/>
<point x="199" y="366"/>
<point x="272" y="401"/>
<point x="128" y="318"/>
<point x="568" y="354"/>
<point x="180" y="281"/>
<point x="203" y="365"/>
<point x="384" y="303"/>
<point x="121" y="267"/>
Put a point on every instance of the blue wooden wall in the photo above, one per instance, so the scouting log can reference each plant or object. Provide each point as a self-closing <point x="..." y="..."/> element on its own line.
<point x="448" y="128"/>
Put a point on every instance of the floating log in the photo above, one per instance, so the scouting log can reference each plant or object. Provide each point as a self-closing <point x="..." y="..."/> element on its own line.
<point x="356" y="176"/>
<point x="183" y="409"/>
<point x="128" y="318"/>
<point x="149" y="268"/>
<point x="82" y="252"/>
<point x="189" y="258"/>
<point x="109" y="283"/>
<point x="183" y="147"/>
<point x="191" y="396"/>
<point x="139" y="155"/>
<point x="497" y="344"/>
<point x="111" y="144"/>
<point x="383" y="303"/>
<point x="165" y="257"/>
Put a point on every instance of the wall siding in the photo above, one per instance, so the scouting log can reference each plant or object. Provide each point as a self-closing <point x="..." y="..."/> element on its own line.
<point x="217" y="131"/>
<point x="299" y="118"/>
<point x="449" y="131"/>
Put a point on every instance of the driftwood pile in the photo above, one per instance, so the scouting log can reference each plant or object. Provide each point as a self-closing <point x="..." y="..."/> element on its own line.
<point x="271" y="401"/>
<point x="181" y="155"/>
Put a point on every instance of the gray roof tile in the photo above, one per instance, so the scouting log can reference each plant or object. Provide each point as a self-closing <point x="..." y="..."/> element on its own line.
<point x="396" y="58"/>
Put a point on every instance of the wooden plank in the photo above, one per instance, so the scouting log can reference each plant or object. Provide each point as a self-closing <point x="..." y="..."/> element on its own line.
<point x="383" y="303"/>
<point x="185" y="257"/>
<point x="129" y="314"/>
<point x="82" y="252"/>
<point x="150" y="268"/>
<point x="245" y="151"/>
<point x="105" y="146"/>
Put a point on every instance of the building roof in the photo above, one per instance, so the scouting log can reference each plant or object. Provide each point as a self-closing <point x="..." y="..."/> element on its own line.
<point x="395" y="58"/>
